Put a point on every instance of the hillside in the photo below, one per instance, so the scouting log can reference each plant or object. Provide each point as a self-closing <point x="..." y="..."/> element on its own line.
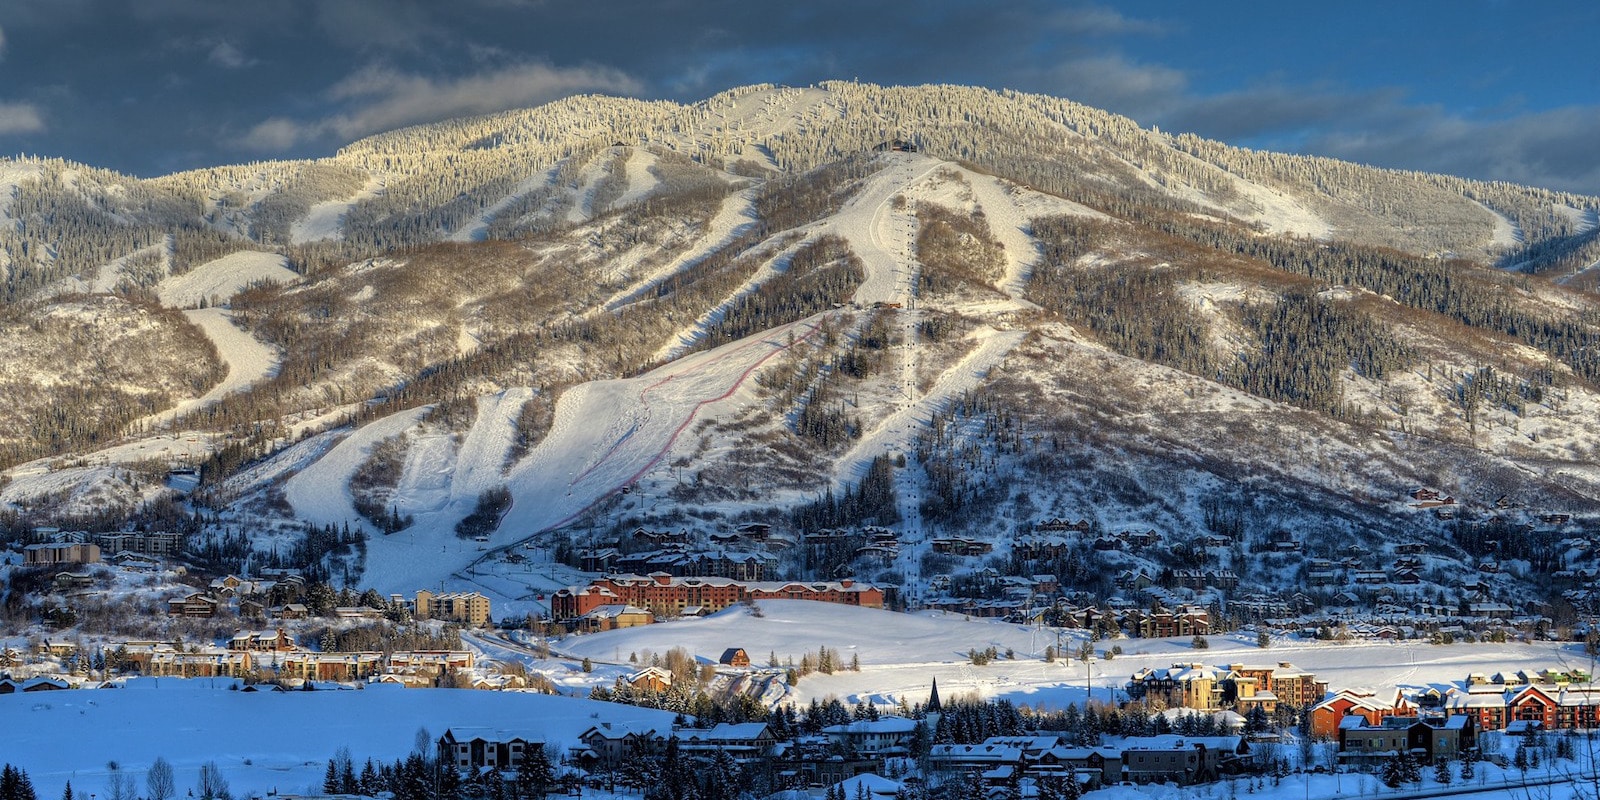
<point x="944" y="310"/>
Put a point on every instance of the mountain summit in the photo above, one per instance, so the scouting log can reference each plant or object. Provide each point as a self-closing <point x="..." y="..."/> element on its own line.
<point x="995" y="325"/>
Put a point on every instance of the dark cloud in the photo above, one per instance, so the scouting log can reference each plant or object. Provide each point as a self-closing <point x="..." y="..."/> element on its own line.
<point x="158" y="85"/>
<point x="1555" y="149"/>
<point x="381" y="98"/>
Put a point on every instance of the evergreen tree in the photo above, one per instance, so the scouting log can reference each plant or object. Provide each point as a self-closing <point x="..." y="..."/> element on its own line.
<point x="15" y="784"/>
<point x="369" y="782"/>
<point x="66" y="793"/>
<point x="1441" y="772"/>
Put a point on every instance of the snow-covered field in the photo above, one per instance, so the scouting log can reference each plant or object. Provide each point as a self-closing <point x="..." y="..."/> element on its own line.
<point x="904" y="653"/>
<point x="264" y="742"/>
<point x="267" y="741"/>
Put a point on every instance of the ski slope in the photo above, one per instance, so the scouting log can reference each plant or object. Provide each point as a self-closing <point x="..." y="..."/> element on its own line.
<point x="609" y="433"/>
<point x="320" y="493"/>
<point x="325" y="220"/>
<point x="439" y="485"/>
<point x="216" y="282"/>
<point x="735" y="216"/>
<point x="246" y="358"/>
<point x="897" y="432"/>
<point x="692" y="333"/>
<point x="880" y="235"/>
<point x="478" y="229"/>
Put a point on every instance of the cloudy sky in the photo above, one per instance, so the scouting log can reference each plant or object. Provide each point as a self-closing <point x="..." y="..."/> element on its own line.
<point x="1486" y="88"/>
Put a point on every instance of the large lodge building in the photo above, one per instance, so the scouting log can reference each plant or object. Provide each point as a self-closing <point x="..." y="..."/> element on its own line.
<point x="667" y="596"/>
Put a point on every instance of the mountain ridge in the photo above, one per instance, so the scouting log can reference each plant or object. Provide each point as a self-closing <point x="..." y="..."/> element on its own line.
<point x="842" y="305"/>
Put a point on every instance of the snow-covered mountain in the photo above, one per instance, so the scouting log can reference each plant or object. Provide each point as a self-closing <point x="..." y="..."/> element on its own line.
<point x="946" y="310"/>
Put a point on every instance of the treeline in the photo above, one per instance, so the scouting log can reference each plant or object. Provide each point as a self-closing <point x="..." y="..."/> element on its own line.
<point x="1301" y="342"/>
<point x="1458" y="290"/>
<point x="872" y="500"/>
<point x="74" y="386"/>
<point x="485" y="517"/>
<point x="959" y="452"/>
<point x="1304" y="345"/>
<point x="822" y="273"/>
<point x="957" y="251"/>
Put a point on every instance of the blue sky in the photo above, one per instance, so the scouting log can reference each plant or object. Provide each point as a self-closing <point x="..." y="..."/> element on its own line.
<point x="1483" y="88"/>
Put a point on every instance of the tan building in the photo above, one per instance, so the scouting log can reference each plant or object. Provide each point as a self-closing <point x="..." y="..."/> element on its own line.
<point x="1191" y="685"/>
<point x="71" y="553"/>
<point x="470" y="608"/>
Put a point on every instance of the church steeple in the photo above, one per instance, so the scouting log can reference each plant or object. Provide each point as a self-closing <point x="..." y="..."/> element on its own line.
<point x="933" y="699"/>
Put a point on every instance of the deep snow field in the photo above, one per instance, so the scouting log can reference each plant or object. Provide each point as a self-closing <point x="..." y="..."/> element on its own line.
<point x="269" y="741"/>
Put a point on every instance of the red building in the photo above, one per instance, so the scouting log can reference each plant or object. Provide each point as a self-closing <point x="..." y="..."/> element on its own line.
<point x="665" y="595"/>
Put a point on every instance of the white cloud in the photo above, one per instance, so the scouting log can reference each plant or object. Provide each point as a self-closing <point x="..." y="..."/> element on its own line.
<point x="1114" y="83"/>
<point x="383" y="99"/>
<point x="20" y="118"/>
<point x="275" y="135"/>
<point x="225" y="55"/>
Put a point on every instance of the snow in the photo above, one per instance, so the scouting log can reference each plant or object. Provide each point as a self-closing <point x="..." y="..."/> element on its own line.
<point x="906" y="652"/>
<point x="686" y="337"/>
<point x="265" y="741"/>
<point x="605" y="436"/>
<point x="216" y="282"/>
<point x="110" y="274"/>
<point x="608" y="433"/>
<point x="588" y="181"/>
<point x="897" y="433"/>
<point x="12" y="175"/>
<point x="736" y="216"/>
<point x="478" y="229"/>
<point x="1583" y="219"/>
<point x="641" y="181"/>
<point x="1506" y="231"/>
<point x="1282" y="214"/>
<point x="440" y="483"/>
<point x="246" y="358"/>
<point x="325" y="219"/>
<point x="311" y="491"/>
<point x="880" y="235"/>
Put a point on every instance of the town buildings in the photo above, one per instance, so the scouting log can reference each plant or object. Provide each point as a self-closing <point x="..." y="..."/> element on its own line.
<point x="667" y="596"/>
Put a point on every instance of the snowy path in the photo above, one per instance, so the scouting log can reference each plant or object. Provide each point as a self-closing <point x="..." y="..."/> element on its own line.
<point x="641" y="181"/>
<point x="478" y="229"/>
<point x="609" y="433"/>
<point x="736" y="216"/>
<point x="325" y="220"/>
<point x="320" y="493"/>
<point x="895" y="434"/>
<point x="216" y="282"/>
<point x="694" y="332"/>
<point x="882" y="236"/>
<point x="1506" y="231"/>
<point x="246" y="358"/>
